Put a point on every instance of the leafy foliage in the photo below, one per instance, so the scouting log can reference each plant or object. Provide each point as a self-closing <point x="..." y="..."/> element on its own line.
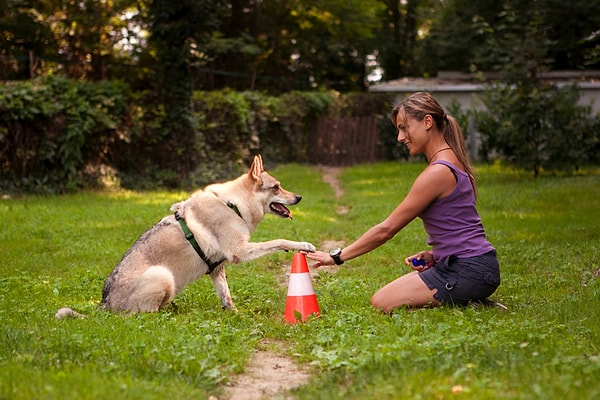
<point x="176" y="29"/>
<point x="484" y="36"/>
<point x="286" y="45"/>
<point x="85" y="39"/>
<point x="539" y="127"/>
<point x="52" y="128"/>
<point x="58" y="135"/>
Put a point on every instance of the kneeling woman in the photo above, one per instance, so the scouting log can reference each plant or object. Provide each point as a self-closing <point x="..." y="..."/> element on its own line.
<point x="461" y="266"/>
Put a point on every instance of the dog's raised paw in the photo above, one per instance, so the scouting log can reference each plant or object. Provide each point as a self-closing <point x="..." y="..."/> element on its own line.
<point x="308" y="247"/>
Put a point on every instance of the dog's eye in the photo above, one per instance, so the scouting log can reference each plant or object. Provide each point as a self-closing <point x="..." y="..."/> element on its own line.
<point x="275" y="188"/>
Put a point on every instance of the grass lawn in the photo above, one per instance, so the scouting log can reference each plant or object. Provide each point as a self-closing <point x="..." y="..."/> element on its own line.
<point x="56" y="251"/>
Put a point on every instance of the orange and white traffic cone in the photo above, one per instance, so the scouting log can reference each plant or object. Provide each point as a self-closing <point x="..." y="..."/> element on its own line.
<point x="301" y="299"/>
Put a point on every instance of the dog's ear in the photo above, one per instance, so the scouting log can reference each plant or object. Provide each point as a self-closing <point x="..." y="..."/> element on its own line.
<point x="178" y="207"/>
<point x="256" y="168"/>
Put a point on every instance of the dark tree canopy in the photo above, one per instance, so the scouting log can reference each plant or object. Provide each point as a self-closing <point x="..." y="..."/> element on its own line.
<point x="284" y="45"/>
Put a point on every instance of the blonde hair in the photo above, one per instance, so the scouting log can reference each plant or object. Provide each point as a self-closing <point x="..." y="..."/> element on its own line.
<point x="418" y="105"/>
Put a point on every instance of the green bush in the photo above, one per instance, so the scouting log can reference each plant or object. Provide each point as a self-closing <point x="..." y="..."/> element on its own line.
<point x="230" y="127"/>
<point x="539" y="127"/>
<point x="287" y="122"/>
<point x="58" y="135"/>
<point x="52" y="128"/>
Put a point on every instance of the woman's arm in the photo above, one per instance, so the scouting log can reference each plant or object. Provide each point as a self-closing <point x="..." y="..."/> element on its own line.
<point x="429" y="185"/>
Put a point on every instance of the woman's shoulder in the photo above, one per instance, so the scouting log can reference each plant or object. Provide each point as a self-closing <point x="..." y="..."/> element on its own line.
<point x="454" y="166"/>
<point x="438" y="178"/>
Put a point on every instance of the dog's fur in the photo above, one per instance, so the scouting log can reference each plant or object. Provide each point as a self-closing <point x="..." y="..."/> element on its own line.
<point x="162" y="261"/>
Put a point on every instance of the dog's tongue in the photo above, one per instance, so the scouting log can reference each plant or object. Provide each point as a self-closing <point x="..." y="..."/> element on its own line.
<point x="281" y="210"/>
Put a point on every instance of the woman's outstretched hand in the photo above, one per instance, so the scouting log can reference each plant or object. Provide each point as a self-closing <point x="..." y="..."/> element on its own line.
<point x="320" y="257"/>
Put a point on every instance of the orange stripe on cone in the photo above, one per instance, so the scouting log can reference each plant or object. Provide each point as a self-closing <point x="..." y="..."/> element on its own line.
<point x="301" y="299"/>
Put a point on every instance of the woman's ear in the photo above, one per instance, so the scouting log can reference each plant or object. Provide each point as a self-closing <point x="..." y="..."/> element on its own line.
<point x="428" y="121"/>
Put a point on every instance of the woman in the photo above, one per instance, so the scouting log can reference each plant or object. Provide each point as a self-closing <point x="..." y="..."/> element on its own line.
<point x="462" y="265"/>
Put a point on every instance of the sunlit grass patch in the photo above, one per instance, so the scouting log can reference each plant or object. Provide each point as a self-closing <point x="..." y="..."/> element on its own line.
<point x="56" y="251"/>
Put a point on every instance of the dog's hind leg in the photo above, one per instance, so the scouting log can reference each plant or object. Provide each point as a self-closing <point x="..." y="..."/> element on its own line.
<point x="219" y="280"/>
<point x="154" y="289"/>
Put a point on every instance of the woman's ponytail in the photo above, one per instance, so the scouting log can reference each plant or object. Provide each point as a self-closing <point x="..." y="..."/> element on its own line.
<point x="455" y="139"/>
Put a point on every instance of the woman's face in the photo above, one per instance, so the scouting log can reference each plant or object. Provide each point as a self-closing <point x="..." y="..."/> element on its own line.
<point x="411" y="132"/>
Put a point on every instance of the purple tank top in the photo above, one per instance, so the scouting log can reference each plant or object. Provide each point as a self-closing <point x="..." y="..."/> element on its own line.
<point x="453" y="223"/>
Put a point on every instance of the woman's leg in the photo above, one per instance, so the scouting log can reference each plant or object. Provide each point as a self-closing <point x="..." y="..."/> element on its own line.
<point x="408" y="290"/>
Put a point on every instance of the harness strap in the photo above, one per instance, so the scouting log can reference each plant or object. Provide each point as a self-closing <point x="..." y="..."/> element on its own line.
<point x="234" y="208"/>
<point x="190" y="238"/>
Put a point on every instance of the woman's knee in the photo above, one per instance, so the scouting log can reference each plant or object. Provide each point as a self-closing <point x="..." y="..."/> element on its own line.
<point x="380" y="302"/>
<point x="416" y="299"/>
<point x="375" y="301"/>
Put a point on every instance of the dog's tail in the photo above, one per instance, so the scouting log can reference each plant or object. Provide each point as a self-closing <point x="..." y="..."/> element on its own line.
<point x="67" y="312"/>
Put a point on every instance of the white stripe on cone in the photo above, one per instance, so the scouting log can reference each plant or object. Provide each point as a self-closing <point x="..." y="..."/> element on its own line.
<point x="300" y="285"/>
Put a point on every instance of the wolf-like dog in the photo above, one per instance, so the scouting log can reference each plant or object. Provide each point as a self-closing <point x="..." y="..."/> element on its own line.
<point x="211" y="227"/>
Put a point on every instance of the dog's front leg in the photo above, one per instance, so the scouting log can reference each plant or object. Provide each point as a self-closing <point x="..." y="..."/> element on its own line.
<point x="253" y="251"/>
<point x="219" y="280"/>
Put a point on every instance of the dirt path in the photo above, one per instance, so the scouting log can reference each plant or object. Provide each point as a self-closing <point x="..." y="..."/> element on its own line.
<point x="330" y="175"/>
<point x="269" y="374"/>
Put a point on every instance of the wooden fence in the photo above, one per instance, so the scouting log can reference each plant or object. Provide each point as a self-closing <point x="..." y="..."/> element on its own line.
<point x="343" y="141"/>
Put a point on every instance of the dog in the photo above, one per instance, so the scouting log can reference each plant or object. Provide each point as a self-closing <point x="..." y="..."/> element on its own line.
<point x="204" y="232"/>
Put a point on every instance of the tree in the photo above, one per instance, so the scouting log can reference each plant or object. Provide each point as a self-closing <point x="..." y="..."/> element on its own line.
<point x="480" y="36"/>
<point x="572" y="30"/>
<point x="530" y="122"/>
<point x="538" y="127"/>
<point x="398" y="36"/>
<point x="25" y="41"/>
<point x="83" y="39"/>
<point x="335" y="47"/>
<point x="293" y="44"/>
<point x="178" y="31"/>
<point x="457" y="29"/>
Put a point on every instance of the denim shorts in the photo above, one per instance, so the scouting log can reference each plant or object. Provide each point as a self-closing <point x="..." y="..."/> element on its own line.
<point x="462" y="280"/>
